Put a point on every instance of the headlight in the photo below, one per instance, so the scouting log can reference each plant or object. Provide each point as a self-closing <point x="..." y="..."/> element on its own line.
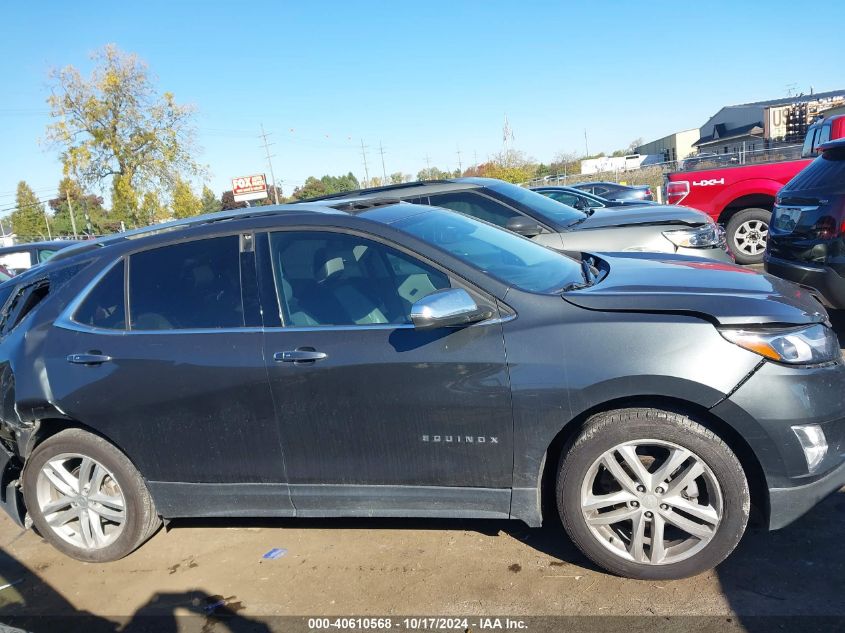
<point x="805" y="345"/>
<point x="698" y="237"/>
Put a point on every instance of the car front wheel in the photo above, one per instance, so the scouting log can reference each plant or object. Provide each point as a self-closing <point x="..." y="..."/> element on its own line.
<point x="651" y="494"/>
<point x="86" y="498"/>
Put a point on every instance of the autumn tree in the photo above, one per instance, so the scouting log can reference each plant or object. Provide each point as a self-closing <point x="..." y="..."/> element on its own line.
<point x="152" y="209"/>
<point x="113" y="127"/>
<point x="185" y="202"/>
<point x="227" y="201"/>
<point x="28" y="219"/>
<point x="209" y="203"/>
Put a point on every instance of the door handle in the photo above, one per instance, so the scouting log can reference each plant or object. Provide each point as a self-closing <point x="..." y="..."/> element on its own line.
<point x="88" y="359"/>
<point x="299" y="356"/>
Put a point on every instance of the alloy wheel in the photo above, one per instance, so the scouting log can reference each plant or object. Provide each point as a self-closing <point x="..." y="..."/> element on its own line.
<point x="81" y="501"/>
<point x="751" y="236"/>
<point x="651" y="502"/>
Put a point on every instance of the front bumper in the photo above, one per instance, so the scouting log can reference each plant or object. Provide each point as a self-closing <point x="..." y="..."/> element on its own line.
<point x="765" y="408"/>
<point x="788" y="504"/>
<point x="824" y="282"/>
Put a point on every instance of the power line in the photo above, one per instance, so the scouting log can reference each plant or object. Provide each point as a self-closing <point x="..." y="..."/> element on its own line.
<point x="460" y="167"/>
<point x="270" y="163"/>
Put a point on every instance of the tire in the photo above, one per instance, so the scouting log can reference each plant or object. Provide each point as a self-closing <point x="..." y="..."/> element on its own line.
<point x="720" y="494"/>
<point x="112" y="478"/>
<point x="746" y="236"/>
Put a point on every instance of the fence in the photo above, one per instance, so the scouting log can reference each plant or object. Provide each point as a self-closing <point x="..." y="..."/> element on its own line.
<point x="654" y="173"/>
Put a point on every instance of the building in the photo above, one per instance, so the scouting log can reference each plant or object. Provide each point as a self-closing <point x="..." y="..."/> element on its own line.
<point x="604" y="164"/>
<point x="752" y="127"/>
<point x="674" y="147"/>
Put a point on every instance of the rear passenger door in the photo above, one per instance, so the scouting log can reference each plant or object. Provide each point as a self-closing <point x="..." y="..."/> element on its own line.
<point x="163" y="355"/>
<point x="377" y="416"/>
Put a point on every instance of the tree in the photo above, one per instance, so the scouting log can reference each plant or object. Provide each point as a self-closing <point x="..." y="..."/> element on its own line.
<point x="84" y="204"/>
<point x="433" y="173"/>
<point x="398" y="178"/>
<point x="227" y="201"/>
<point x="271" y="198"/>
<point x="113" y="125"/>
<point x="28" y="219"/>
<point x="185" y="203"/>
<point x="209" y="202"/>
<point x="326" y="185"/>
<point x="152" y="210"/>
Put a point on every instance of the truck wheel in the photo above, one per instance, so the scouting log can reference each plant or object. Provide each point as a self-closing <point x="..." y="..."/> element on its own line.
<point x="86" y="498"/>
<point x="650" y="494"/>
<point x="747" y="233"/>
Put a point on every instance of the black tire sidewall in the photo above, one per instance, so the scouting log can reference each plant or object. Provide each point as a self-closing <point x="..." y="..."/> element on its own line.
<point x="723" y="463"/>
<point x="130" y="482"/>
<point x="735" y="222"/>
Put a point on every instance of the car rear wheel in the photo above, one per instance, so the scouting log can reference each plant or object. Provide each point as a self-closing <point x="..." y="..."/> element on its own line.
<point x="86" y="498"/>
<point x="650" y="494"/>
<point x="748" y="231"/>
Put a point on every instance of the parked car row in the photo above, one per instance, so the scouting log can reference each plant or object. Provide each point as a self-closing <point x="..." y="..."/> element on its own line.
<point x="742" y="197"/>
<point x="416" y="350"/>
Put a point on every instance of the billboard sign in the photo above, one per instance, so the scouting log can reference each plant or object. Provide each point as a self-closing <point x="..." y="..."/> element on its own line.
<point x="249" y="187"/>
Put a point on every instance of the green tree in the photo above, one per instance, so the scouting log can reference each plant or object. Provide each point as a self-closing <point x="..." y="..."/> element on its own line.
<point x="83" y="204"/>
<point x="29" y="221"/>
<point x="114" y="125"/>
<point x="397" y="178"/>
<point x="152" y="210"/>
<point x="325" y="186"/>
<point x="209" y="203"/>
<point x="433" y="173"/>
<point x="185" y="202"/>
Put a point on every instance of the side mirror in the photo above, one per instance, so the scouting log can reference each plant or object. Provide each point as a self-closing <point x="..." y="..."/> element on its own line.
<point x="524" y="225"/>
<point x="445" y="308"/>
<point x="580" y="205"/>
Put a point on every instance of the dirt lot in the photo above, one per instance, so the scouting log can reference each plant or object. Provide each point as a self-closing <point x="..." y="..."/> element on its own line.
<point x="400" y="567"/>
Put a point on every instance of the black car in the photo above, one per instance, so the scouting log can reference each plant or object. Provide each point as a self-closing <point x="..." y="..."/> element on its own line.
<point x="615" y="191"/>
<point x="581" y="199"/>
<point x="403" y="360"/>
<point x="653" y="228"/>
<point x="20" y="257"/>
<point x="807" y="233"/>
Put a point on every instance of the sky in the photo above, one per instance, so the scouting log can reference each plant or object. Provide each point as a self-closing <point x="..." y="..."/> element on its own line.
<point x="423" y="81"/>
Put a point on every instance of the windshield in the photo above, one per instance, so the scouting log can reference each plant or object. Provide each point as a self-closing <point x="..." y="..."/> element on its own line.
<point x="552" y="210"/>
<point x="512" y="259"/>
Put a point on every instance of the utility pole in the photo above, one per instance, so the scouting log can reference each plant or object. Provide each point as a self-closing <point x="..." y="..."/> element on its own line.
<point x="460" y="167"/>
<point x="267" y="145"/>
<point x="72" y="218"/>
<point x="383" y="170"/>
<point x="366" y="169"/>
<point x="46" y="220"/>
<point x="586" y="147"/>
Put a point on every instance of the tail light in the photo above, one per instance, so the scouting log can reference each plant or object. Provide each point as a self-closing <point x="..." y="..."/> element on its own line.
<point x="676" y="191"/>
<point x="825" y="227"/>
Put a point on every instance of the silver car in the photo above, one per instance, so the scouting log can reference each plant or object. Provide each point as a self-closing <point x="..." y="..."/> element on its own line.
<point x="652" y="228"/>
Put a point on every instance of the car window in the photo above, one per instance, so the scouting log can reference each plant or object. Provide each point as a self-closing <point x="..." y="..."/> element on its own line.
<point x="562" y="196"/>
<point x="476" y="206"/>
<point x="810" y="141"/>
<point x="512" y="259"/>
<point x="20" y="260"/>
<point x="189" y="285"/>
<point x="827" y="171"/>
<point x="46" y="253"/>
<point x="104" y="306"/>
<point x="600" y="190"/>
<point x="326" y="278"/>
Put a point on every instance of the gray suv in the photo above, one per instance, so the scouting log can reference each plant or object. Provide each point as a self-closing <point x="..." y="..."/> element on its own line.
<point x="653" y="228"/>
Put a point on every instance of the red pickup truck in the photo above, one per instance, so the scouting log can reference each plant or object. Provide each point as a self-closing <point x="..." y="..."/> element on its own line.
<point x="741" y="197"/>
